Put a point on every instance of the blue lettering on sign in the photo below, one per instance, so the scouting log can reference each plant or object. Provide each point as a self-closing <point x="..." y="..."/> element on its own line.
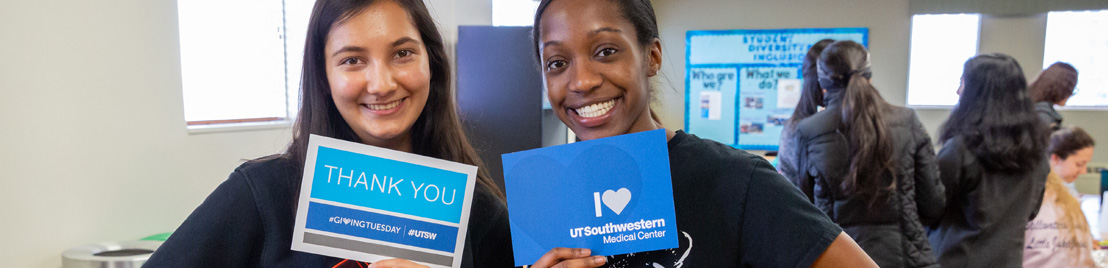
<point x="386" y="184"/>
<point x="381" y="227"/>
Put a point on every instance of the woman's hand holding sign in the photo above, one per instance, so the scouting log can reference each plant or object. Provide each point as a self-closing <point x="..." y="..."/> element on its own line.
<point x="396" y="263"/>
<point x="569" y="258"/>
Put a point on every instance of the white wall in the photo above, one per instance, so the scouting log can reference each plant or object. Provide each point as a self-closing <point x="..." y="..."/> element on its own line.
<point x="95" y="147"/>
<point x="889" y="23"/>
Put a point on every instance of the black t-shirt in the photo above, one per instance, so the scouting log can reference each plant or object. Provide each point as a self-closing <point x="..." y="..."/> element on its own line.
<point x="248" y="222"/>
<point x="734" y="210"/>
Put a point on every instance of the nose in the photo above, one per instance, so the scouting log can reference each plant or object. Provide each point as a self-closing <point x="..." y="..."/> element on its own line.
<point x="379" y="79"/>
<point x="584" y="78"/>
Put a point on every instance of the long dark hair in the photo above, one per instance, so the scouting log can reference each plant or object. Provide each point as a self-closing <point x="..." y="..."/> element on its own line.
<point x="843" y="68"/>
<point x="1055" y="84"/>
<point x="811" y="95"/>
<point x="995" y="116"/>
<point x="436" y="133"/>
<point x="639" y="12"/>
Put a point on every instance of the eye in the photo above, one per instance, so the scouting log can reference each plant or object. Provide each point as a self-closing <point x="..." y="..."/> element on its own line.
<point x="350" y="61"/>
<point x="404" y="53"/>
<point x="606" y="52"/>
<point x="556" y="64"/>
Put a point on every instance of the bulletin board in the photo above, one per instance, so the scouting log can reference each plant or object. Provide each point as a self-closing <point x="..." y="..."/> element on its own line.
<point x="742" y="85"/>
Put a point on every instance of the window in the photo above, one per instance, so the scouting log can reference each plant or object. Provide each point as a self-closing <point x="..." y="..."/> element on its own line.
<point x="940" y="46"/>
<point x="1080" y="39"/>
<point x="514" y="12"/>
<point x="237" y="63"/>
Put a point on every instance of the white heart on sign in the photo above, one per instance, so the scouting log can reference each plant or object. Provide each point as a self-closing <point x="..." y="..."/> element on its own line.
<point x="346" y="221"/>
<point x="617" y="200"/>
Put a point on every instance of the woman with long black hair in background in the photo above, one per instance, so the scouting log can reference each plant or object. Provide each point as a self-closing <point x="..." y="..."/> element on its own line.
<point x="811" y="98"/>
<point x="993" y="164"/>
<point x="870" y="165"/>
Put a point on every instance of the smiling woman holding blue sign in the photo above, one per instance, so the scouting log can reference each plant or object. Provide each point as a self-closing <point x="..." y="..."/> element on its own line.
<point x="732" y="208"/>
<point x="376" y="73"/>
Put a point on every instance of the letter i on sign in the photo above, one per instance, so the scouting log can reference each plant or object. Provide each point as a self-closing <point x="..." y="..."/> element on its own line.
<point x="596" y="202"/>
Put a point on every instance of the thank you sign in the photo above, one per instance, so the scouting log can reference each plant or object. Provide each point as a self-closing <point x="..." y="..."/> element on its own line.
<point x="612" y="196"/>
<point x="367" y="203"/>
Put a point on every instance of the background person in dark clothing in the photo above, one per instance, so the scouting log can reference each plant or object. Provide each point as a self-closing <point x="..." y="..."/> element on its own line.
<point x="1054" y="86"/>
<point x="811" y="98"/>
<point x="993" y="164"/>
<point x="870" y="164"/>
<point x="375" y="72"/>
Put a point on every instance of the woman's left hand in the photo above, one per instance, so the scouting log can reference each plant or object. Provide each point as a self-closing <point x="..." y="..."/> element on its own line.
<point x="396" y="263"/>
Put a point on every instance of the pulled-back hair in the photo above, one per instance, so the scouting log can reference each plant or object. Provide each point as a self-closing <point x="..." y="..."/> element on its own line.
<point x="436" y="133"/>
<point x="811" y="95"/>
<point x="995" y="116"/>
<point x="844" y="67"/>
<point x="1055" y="84"/>
<point x="1068" y="140"/>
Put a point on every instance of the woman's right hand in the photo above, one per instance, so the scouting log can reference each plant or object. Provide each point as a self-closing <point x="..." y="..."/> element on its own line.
<point x="569" y="258"/>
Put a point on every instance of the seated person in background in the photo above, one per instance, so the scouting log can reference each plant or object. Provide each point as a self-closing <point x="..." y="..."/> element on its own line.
<point x="1059" y="236"/>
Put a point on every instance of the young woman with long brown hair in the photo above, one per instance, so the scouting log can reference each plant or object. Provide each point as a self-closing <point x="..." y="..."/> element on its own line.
<point x="1054" y="86"/>
<point x="375" y="72"/>
<point x="811" y="98"/>
<point x="869" y="164"/>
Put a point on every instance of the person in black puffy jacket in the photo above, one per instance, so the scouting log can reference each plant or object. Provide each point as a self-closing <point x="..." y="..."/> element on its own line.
<point x="994" y="166"/>
<point x="811" y="98"/>
<point x="870" y="165"/>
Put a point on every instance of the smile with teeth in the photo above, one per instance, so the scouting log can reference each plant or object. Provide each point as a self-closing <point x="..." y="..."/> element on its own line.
<point x="596" y="109"/>
<point x="386" y="106"/>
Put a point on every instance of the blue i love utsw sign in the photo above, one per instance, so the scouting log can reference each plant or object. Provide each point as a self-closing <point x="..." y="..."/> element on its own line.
<point x="612" y="196"/>
<point x="368" y="203"/>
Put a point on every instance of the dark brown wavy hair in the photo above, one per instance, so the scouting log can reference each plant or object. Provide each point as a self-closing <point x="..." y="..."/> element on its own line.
<point x="1068" y="140"/>
<point x="436" y="133"/>
<point x="1055" y="84"/>
<point x="844" y="66"/>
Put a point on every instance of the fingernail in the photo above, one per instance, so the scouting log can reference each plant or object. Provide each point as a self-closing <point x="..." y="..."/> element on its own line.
<point x="586" y="252"/>
<point x="600" y="259"/>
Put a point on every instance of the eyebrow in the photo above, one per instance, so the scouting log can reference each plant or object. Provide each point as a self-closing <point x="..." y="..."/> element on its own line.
<point x="348" y="49"/>
<point x="605" y="29"/>
<point x="398" y="42"/>
<point x="551" y="43"/>
<point x="591" y="34"/>
<point x="404" y="40"/>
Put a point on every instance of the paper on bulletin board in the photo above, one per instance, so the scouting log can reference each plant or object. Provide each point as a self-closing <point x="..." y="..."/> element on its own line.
<point x="751" y="69"/>
<point x="612" y="195"/>
<point x="788" y="93"/>
<point x="369" y="204"/>
<point x="710" y="102"/>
